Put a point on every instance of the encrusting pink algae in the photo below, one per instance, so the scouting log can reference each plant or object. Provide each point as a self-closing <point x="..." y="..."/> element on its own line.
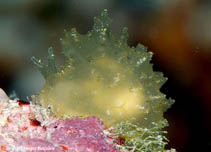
<point x="26" y="127"/>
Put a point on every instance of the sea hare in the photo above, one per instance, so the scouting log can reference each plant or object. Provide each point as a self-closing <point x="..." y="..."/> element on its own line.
<point x="104" y="77"/>
<point x="103" y="80"/>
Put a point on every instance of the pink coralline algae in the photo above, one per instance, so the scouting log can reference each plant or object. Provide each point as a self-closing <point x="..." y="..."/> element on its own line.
<point x="28" y="127"/>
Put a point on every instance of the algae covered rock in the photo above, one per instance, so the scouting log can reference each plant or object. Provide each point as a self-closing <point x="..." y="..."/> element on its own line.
<point x="27" y="127"/>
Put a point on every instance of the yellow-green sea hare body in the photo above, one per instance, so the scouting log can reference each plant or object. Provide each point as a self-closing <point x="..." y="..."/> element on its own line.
<point x="106" y="89"/>
<point x="104" y="77"/>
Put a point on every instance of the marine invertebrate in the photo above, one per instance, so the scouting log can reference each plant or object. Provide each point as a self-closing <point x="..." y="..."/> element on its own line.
<point x="104" y="77"/>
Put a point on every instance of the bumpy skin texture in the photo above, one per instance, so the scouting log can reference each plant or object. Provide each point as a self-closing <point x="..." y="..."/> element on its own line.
<point x="27" y="127"/>
<point x="104" y="77"/>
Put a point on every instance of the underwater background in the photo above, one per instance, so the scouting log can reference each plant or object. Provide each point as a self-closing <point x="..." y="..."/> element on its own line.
<point x="178" y="32"/>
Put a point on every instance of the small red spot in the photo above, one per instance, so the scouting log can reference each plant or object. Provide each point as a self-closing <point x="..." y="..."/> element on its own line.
<point x="71" y="131"/>
<point x="64" y="147"/>
<point x="120" y="140"/>
<point x="22" y="103"/>
<point x="35" y="122"/>
<point x="106" y="126"/>
<point x="24" y="128"/>
<point x="8" y="120"/>
<point x="3" y="148"/>
<point x="44" y="128"/>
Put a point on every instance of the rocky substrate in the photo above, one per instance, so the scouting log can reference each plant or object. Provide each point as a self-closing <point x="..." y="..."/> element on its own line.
<point x="28" y="127"/>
